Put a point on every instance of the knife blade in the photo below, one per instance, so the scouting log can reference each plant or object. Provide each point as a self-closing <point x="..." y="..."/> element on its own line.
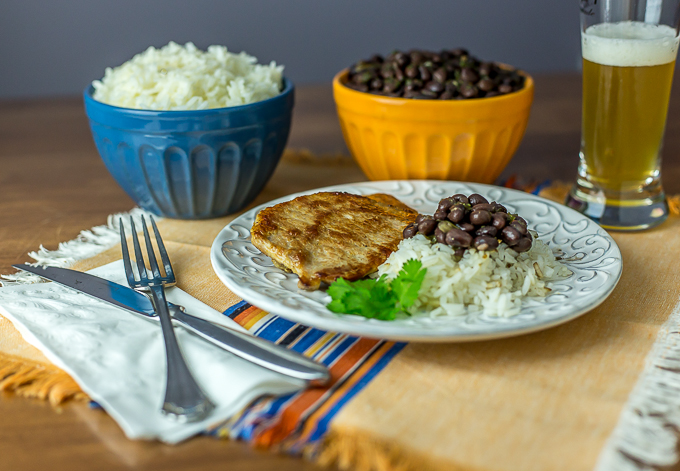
<point x="246" y="346"/>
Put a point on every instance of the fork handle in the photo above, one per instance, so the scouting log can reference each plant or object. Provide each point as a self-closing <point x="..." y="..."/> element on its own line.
<point x="184" y="399"/>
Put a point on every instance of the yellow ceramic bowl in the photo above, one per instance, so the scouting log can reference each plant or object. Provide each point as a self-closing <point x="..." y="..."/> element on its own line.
<point x="397" y="138"/>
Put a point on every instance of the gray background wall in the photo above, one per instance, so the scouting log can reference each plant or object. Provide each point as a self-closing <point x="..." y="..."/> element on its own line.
<point x="52" y="47"/>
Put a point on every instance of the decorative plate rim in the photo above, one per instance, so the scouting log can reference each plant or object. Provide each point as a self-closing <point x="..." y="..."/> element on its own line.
<point x="244" y="270"/>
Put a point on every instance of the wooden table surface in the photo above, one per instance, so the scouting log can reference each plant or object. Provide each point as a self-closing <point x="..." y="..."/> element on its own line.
<point x="53" y="185"/>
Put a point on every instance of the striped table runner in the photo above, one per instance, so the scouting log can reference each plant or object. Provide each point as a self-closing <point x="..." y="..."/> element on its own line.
<point x="505" y="393"/>
<point x="297" y="421"/>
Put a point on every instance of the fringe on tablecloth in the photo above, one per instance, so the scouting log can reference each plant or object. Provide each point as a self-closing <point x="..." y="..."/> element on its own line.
<point x="645" y="438"/>
<point x="364" y="453"/>
<point x="36" y="380"/>
<point x="43" y="380"/>
<point x="46" y="381"/>
<point x="87" y="244"/>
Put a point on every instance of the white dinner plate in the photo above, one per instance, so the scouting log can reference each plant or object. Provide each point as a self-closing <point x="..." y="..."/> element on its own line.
<point x="589" y="252"/>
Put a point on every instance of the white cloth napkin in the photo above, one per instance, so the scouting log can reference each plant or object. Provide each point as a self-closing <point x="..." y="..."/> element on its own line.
<point x="118" y="358"/>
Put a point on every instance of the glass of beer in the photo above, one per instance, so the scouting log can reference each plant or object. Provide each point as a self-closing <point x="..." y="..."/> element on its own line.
<point x="629" y="49"/>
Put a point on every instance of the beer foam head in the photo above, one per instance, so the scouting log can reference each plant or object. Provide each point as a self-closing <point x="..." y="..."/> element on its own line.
<point x="629" y="44"/>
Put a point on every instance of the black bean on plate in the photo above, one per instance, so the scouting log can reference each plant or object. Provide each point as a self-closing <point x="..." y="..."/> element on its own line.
<point x="522" y="245"/>
<point x="457" y="213"/>
<point x="458" y="238"/>
<point x="410" y="231"/>
<point x="487" y="230"/>
<point x="445" y="203"/>
<point x="485" y="206"/>
<point x="521" y="228"/>
<point x="479" y="217"/>
<point x="471" y="221"/>
<point x="441" y="214"/>
<point x="460" y="198"/>
<point x="427" y="226"/>
<point x="485" y="243"/>
<point x="476" y="198"/>
<point x="510" y="235"/>
<point x="499" y="220"/>
<point x="467" y="227"/>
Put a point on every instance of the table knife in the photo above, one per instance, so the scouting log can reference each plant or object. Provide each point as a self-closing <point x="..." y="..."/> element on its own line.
<point x="254" y="349"/>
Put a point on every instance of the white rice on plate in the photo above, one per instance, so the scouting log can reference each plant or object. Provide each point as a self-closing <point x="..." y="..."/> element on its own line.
<point x="177" y="77"/>
<point x="494" y="282"/>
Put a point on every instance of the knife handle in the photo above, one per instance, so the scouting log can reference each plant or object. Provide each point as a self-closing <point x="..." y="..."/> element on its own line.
<point x="256" y="350"/>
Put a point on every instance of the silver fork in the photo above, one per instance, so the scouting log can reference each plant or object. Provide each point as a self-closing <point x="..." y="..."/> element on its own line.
<point x="184" y="399"/>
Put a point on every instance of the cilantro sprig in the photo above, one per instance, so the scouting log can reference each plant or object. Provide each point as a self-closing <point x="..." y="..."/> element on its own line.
<point x="378" y="299"/>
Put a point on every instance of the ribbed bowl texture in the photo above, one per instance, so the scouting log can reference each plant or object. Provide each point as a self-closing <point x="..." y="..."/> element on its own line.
<point x="464" y="140"/>
<point x="192" y="164"/>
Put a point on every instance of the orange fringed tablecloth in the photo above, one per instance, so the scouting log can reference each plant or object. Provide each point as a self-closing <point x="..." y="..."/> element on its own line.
<point x="588" y="393"/>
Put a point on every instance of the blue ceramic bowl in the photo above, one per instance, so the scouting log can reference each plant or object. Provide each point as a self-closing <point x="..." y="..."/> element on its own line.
<point x="192" y="164"/>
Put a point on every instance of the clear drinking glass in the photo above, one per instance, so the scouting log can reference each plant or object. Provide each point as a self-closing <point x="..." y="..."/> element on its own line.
<point x="629" y="49"/>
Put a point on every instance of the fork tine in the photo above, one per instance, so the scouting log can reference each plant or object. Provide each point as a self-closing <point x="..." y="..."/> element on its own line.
<point x="126" y="254"/>
<point x="164" y="254"/>
<point x="150" y="252"/>
<point x="184" y="398"/>
<point x="138" y="252"/>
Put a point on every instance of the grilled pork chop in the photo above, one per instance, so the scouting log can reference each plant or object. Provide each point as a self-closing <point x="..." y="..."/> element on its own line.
<point x="331" y="235"/>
